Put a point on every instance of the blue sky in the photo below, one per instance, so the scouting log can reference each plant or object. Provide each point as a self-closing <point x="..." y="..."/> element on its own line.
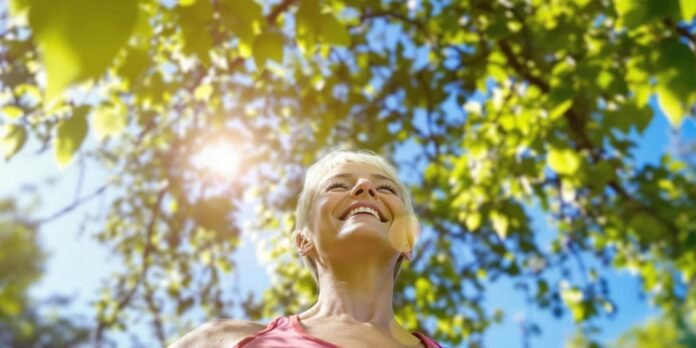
<point x="77" y="265"/>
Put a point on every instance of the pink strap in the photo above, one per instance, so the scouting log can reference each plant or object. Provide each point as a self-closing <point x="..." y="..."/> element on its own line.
<point x="272" y="325"/>
<point x="295" y="321"/>
<point x="427" y="341"/>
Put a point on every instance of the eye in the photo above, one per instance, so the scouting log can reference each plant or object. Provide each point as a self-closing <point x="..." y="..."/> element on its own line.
<point x="334" y="185"/>
<point x="387" y="187"/>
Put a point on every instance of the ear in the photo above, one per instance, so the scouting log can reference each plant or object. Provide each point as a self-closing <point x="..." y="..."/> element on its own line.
<point x="304" y="245"/>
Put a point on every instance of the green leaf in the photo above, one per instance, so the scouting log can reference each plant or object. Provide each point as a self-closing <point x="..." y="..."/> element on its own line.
<point x="268" y="45"/>
<point x="473" y="221"/>
<point x="634" y="13"/>
<point x="563" y="161"/>
<point x="573" y="298"/>
<point x="13" y="138"/>
<point x="629" y="114"/>
<point x="500" y="223"/>
<point x="135" y="64"/>
<point x="17" y="6"/>
<point x="203" y="92"/>
<point x="109" y="120"/>
<point x="71" y="133"/>
<point x="560" y="109"/>
<point x="671" y="105"/>
<point x="243" y="18"/>
<point x="688" y="10"/>
<point x="332" y="31"/>
<point x="560" y="99"/>
<point x="78" y="39"/>
<point x="12" y="111"/>
<point x="647" y="228"/>
<point x="195" y="21"/>
<point x="676" y="79"/>
<point x="307" y="24"/>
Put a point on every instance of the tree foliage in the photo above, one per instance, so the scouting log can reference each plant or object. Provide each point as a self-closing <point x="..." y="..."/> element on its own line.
<point x="507" y="107"/>
<point x="23" y="321"/>
<point x="677" y="329"/>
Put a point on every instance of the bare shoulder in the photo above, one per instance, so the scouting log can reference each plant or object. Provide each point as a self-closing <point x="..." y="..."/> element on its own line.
<point x="218" y="333"/>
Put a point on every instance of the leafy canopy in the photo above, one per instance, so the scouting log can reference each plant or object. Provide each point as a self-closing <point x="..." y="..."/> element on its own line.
<point x="505" y="107"/>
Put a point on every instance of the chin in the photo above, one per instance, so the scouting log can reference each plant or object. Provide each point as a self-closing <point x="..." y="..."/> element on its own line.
<point x="367" y="237"/>
<point x="370" y="229"/>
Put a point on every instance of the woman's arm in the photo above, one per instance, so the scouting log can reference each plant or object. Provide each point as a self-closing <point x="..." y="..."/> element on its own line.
<point x="224" y="333"/>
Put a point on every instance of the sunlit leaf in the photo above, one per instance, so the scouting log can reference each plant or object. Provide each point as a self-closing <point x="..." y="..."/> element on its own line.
<point x="12" y="111"/>
<point x="676" y="80"/>
<point x="69" y="136"/>
<point x="688" y="10"/>
<point x="268" y="45"/>
<point x="79" y="39"/>
<point x="307" y="24"/>
<point x="109" y="120"/>
<point x="203" y="92"/>
<point x="671" y="105"/>
<point x="473" y="221"/>
<point x="195" y="20"/>
<point x="563" y="161"/>
<point x="13" y="138"/>
<point x="635" y="13"/>
<point x="332" y="31"/>
<point x="500" y="223"/>
<point x="243" y="18"/>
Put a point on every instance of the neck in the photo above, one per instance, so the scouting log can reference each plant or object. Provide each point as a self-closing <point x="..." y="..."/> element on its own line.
<point x="355" y="291"/>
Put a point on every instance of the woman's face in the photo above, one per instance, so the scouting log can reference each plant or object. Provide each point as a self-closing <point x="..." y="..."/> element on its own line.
<point x="355" y="208"/>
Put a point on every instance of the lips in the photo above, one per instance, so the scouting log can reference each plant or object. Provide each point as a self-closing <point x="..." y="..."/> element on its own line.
<point x="363" y="204"/>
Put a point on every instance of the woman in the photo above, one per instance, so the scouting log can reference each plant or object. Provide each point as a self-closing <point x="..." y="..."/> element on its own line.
<point x="354" y="227"/>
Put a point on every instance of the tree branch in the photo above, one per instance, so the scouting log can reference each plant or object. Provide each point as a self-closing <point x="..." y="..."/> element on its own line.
<point x="74" y="205"/>
<point x="379" y="14"/>
<point x="276" y="11"/>
<point x="143" y="271"/>
<point x="577" y="128"/>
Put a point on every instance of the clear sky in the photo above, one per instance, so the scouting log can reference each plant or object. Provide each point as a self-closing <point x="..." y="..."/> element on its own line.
<point x="77" y="265"/>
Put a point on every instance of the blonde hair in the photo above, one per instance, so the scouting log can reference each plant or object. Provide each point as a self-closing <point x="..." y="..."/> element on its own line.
<point x="322" y="167"/>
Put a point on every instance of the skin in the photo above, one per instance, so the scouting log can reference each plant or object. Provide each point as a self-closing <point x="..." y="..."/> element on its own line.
<point x="355" y="262"/>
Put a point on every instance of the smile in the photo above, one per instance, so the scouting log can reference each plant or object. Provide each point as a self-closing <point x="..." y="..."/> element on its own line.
<point x="363" y="208"/>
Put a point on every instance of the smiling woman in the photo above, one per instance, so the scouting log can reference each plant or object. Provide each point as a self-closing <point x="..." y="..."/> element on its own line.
<point x="355" y="226"/>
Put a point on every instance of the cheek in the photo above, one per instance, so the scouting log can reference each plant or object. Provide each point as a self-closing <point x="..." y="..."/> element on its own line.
<point x="323" y="206"/>
<point x="396" y="206"/>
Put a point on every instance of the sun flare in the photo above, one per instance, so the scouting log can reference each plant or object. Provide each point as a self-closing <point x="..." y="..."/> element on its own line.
<point x="218" y="158"/>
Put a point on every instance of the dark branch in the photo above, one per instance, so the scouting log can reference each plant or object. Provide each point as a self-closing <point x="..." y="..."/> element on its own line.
<point x="276" y="11"/>
<point x="380" y="14"/>
<point x="143" y="271"/>
<point x="73" y="205"/>
<point x="577" y="127"/>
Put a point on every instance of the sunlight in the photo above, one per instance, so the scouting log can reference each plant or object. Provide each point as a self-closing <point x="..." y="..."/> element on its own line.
<point x="219" y="158"/>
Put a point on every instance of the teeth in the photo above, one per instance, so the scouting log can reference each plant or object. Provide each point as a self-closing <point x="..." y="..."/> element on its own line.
<point x="364" y="210"/>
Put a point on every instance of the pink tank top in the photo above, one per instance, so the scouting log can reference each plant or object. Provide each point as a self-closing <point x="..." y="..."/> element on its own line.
<point x="287" y="332"/>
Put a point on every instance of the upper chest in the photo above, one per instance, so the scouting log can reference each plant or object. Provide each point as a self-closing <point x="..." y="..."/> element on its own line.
<point x="352" y="336"/>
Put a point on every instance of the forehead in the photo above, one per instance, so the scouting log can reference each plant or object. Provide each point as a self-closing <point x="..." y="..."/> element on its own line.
<point x="355" y="170"/>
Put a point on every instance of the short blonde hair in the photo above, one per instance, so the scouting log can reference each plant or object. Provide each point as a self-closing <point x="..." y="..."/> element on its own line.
<point x="322" y="167"/>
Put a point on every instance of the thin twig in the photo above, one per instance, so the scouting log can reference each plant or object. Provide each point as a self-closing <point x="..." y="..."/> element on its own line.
<point x="74" y="205"/>
<point x="143" y="271"/>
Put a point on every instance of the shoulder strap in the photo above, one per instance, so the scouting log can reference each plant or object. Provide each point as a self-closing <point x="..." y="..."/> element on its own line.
<point x="272" y="325"/>
<point x="427" y="341"/>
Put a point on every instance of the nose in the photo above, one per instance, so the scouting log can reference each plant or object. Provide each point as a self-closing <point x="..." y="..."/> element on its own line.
<point x="361" y="187"/>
